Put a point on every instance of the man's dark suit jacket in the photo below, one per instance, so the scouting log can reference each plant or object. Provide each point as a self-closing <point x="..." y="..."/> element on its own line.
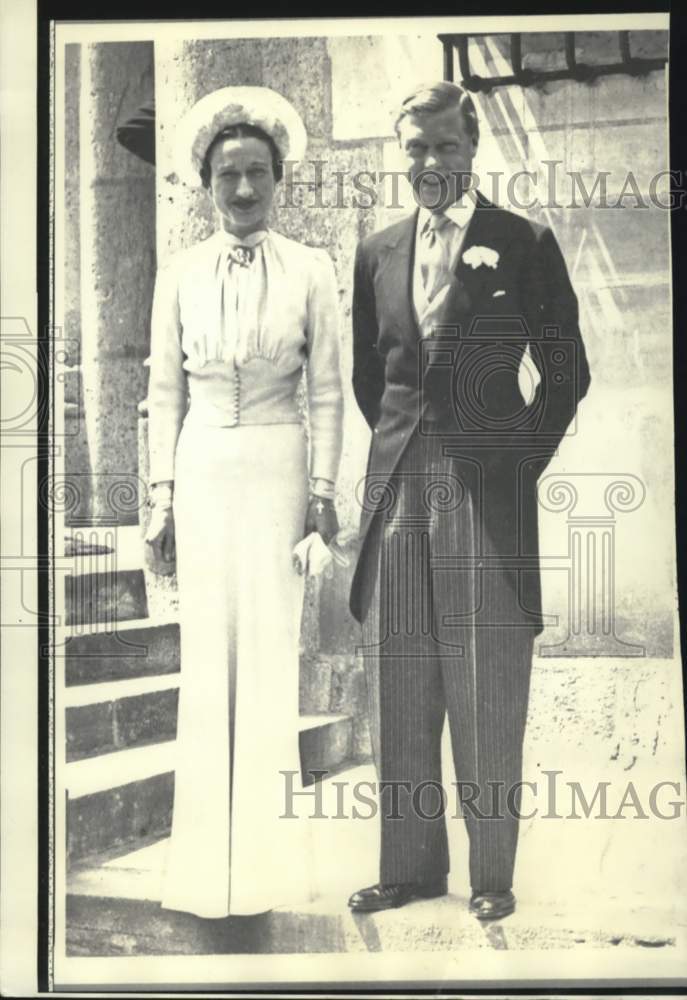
<point x="463" y="381"/>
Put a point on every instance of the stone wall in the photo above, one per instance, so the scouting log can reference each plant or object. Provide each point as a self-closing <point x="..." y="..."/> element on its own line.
<point x="619" y="258"/>
<point x="110" y="267"/>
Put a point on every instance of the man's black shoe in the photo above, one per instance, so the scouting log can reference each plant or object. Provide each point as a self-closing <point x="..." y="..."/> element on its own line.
<point x="388" y="897"/>
<point x="492" y="905"/>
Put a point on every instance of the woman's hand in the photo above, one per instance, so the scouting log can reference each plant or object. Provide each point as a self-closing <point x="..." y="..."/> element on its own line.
<point x="321" y="517"/>
<point x="159" y="538"/>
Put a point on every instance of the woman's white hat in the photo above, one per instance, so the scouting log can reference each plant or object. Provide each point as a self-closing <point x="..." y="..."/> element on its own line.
<point x="258" y="106"/>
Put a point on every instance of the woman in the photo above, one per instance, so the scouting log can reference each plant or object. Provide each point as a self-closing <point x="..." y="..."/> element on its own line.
<point x="235" y="319"/>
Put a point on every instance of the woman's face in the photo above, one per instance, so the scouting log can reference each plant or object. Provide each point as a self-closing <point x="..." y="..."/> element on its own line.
<point x="242" y="183"/>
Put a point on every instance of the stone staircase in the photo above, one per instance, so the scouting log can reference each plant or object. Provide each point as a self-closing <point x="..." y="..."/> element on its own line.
<point x="120" y="691"/>
<point x="113" y="906"/>
<point x="121" y="687"/>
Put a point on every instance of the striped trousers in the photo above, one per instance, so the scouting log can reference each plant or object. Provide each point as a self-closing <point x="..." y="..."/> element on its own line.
<point x="440" y="639"/>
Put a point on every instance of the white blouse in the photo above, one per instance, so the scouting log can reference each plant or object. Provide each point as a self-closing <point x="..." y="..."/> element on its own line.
<point x="235" y="340"/>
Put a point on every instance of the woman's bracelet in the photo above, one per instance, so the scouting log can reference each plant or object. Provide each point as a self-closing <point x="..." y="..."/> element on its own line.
<point x="161" y="495"/>
<point x="323" y="488"/>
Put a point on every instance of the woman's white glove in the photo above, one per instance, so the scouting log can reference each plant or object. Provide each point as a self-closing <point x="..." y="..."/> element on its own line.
<point x="159" y="538"/>
<point x="311" y="556"/>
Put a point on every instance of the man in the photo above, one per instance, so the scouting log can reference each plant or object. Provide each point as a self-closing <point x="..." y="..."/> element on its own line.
<point x="447" y="586"/>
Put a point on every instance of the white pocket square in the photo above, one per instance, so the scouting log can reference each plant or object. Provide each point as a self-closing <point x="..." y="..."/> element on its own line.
<point x="501" y="291"/>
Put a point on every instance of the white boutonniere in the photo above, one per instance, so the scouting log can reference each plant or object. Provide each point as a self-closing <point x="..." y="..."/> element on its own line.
<point x="476" y="256"/>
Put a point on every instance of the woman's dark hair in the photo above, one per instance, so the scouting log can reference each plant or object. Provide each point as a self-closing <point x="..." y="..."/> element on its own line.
<point x="242" y="131"/>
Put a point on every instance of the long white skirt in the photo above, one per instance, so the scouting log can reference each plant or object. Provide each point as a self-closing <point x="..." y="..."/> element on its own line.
<point x="239" y="508"/>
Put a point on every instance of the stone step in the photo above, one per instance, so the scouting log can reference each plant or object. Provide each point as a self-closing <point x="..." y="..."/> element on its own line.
<point x="105" y="582"/>
<point x="107" y="651"/>
<point x="325" y="743"/>
<point x="101" y="652"/>
<point x="127" y="713"/>
<point x="116" y="798"/>
<point x="120" y="714"/>
<point x="112" y="596"/>
<point x="113" y="908"/>
<point x="123" y="622"/>
<point x="114" y="924"/>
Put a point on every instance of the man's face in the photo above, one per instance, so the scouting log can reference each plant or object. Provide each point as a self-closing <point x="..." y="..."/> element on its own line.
<point x="438" y="151"/>
<point x="242" y="183"/>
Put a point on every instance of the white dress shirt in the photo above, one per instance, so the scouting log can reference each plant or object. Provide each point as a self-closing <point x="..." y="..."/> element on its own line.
<point x="452" y="235"/>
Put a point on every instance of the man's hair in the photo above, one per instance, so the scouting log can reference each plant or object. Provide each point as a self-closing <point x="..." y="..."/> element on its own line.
<point x="241" y="131"/>
<point x="432" y="97"/>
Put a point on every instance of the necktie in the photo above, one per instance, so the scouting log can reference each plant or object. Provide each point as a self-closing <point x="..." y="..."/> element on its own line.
<point x="434" y="255"/>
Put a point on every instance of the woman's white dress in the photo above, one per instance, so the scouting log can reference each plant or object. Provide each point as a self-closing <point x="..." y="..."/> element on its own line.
<point x="236" y="340"/>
